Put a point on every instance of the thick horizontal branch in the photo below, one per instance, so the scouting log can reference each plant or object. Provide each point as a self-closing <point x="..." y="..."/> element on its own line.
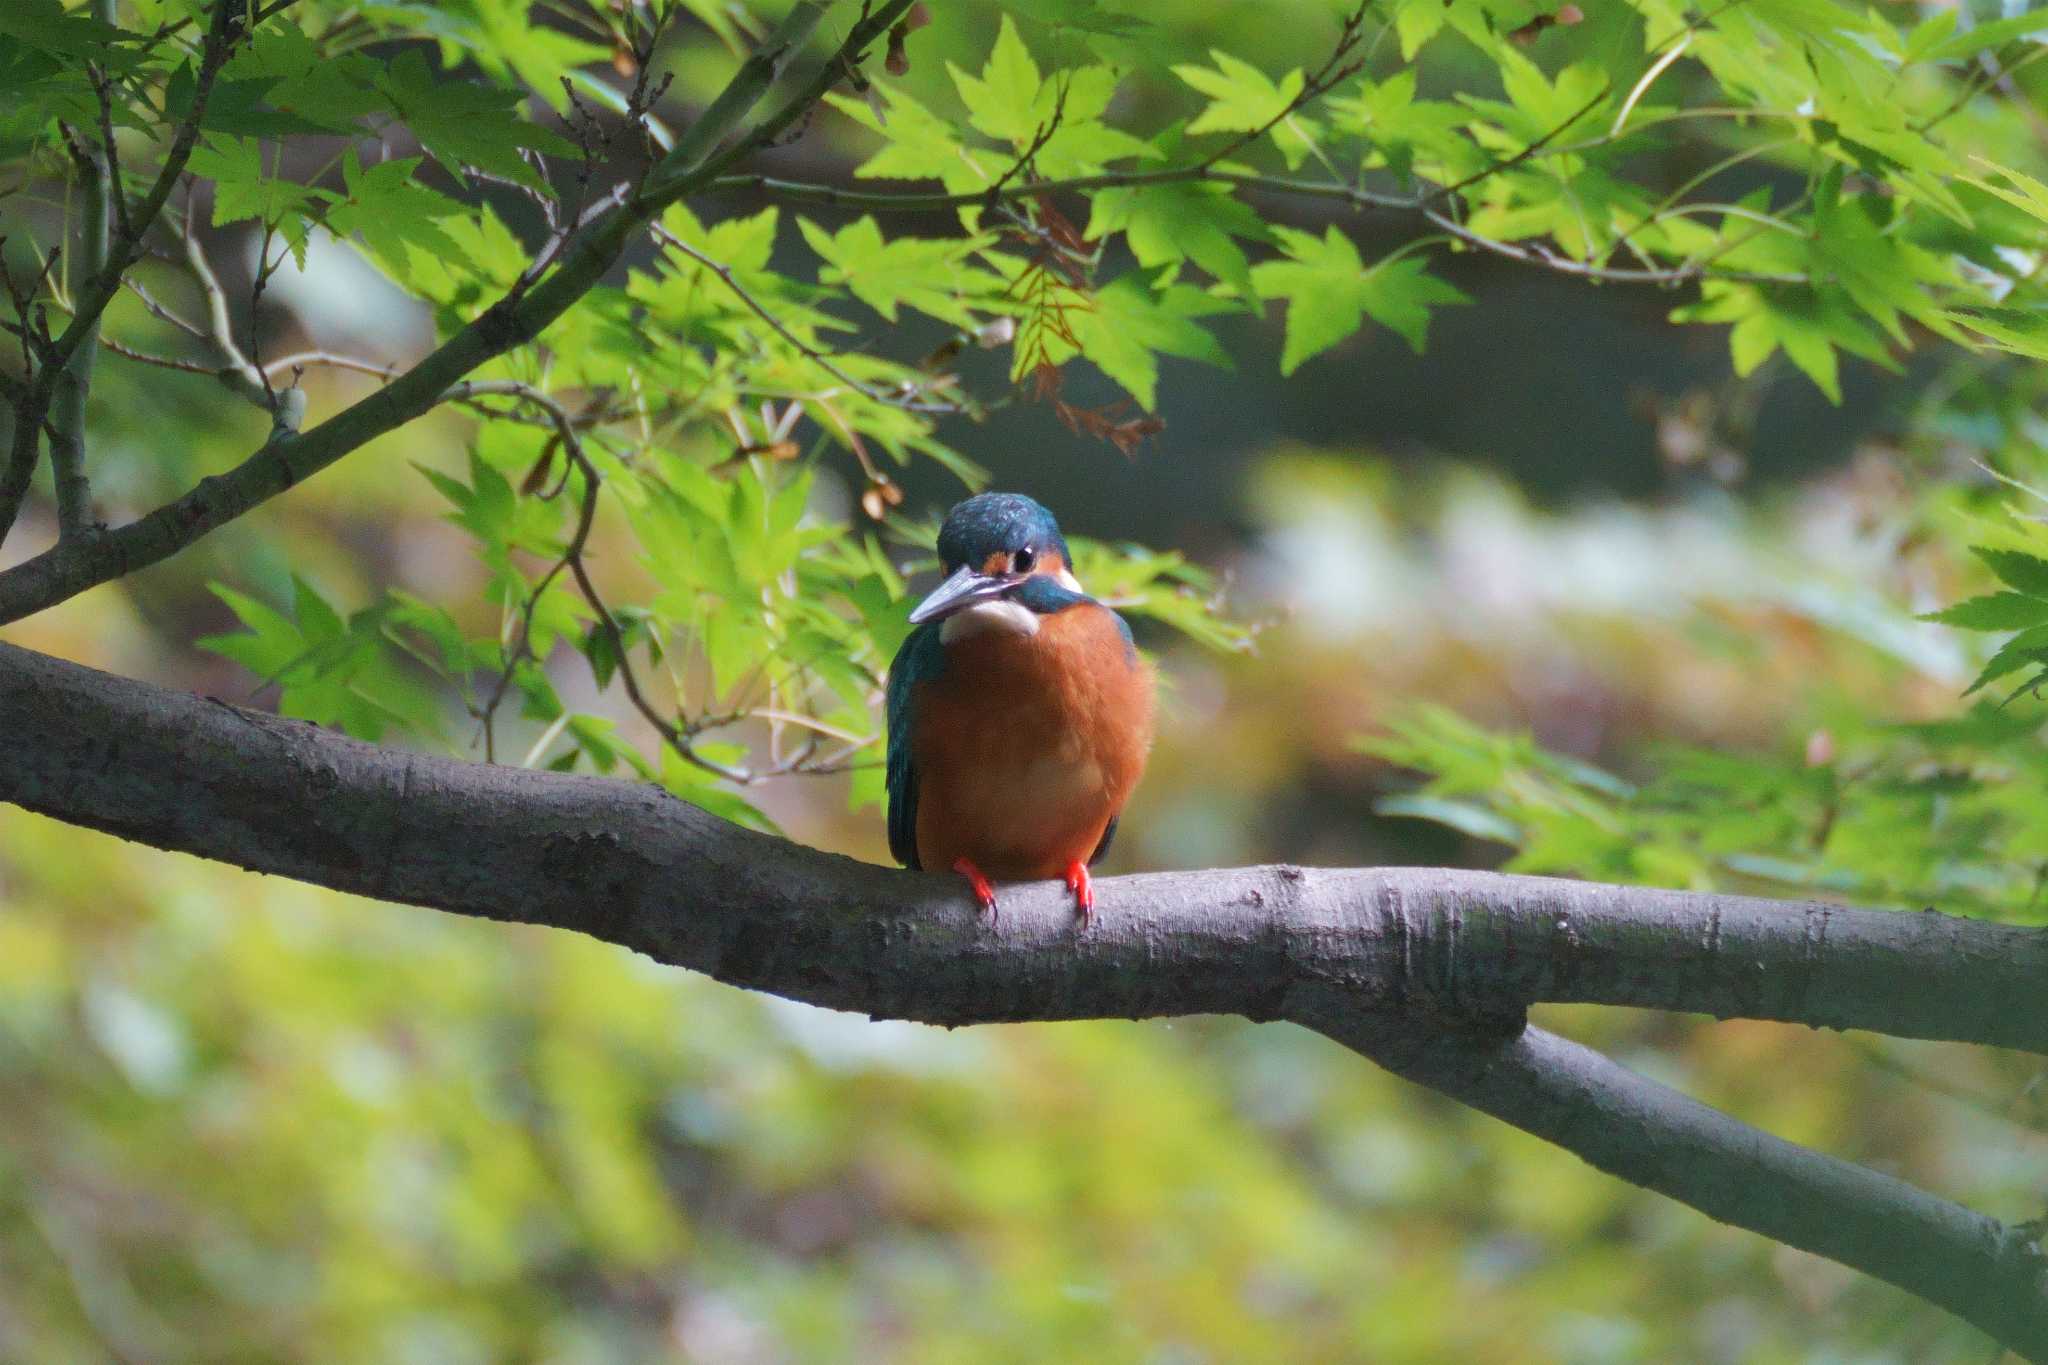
<point x="1427" y="971"/>
<point x="293" y="799"/>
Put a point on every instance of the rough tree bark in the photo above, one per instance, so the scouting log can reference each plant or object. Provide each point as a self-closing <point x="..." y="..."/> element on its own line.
<point x="1427" y="971"/>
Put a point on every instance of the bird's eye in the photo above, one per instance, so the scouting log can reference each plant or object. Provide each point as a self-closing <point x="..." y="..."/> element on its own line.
<point x="1022" y="561"/>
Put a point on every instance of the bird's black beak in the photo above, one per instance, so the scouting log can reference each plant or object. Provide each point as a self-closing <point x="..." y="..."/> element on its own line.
<point x="961" y="591"/>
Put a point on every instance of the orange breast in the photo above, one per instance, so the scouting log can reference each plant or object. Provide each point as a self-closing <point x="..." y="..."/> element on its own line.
<point x="1029" y="745"/>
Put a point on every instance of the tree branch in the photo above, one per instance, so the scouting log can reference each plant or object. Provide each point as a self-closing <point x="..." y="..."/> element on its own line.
<point x="56" y="379"/>
<point x="31" y="331"/>
<point x="914" y="201"/>
<point x="290" y="456"/>
<point x="906" y="396"/>
<point x="240" y="373"/>
<point x="1425" y="971"/>
<point x="1984" y="1271"/>
<point x="99" y="184"/>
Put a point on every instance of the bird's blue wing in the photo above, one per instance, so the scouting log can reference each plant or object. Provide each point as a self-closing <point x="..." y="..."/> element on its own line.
<point x="1108" y="838"/>
<point x="1130" y="656"/>
<point x="921" y="659"/>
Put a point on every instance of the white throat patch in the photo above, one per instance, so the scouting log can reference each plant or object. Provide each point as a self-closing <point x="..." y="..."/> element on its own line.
<point x="983" y="618"/>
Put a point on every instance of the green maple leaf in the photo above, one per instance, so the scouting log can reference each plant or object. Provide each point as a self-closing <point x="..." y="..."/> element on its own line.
<point x="1168" y="224"/>
<point x="1808" y="324"/>
<point x="1243" y="98"/>
<point x="1130" y="326"/>
<point x="462" y="123"/>
<point x="1003" y="100"/>
<point x="922" y="273"/>
<point x="1994" y="611"/>
<point x="1329" y="291"/>
<point x="918" y="144"/>
<point x="393" y="212"/>
<point x="241" y="189"/>
<point x="2016" y="568"/>
<point x="1013" y="101"/>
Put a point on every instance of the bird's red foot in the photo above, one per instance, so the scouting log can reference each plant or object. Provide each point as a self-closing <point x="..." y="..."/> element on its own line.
<point x="984" y="892"/>
<point x="1083" y="889"/>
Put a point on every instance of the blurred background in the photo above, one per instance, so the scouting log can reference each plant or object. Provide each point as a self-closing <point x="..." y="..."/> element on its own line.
<point x="244" y="1119"/>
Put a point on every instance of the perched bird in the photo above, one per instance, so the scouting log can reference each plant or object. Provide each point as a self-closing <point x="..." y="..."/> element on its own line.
<point x="1019" y="710"/>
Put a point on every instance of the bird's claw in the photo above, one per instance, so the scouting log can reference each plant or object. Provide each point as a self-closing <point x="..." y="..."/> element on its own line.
<point x="984" y="891"/>
<point x="1083" y="888"/>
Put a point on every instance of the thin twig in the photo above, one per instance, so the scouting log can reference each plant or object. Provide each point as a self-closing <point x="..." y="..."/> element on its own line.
<point x="565" y="432"/>
<point x="1333" y="72"/>
<point x="221" y="327"/>
<point x="162" y="362"/>
<point x="99" y="286"/>
<point x="100" y="190"/>
<point x="678" y="737"/>
<point x="1532" y="254"/>
<point x="904" y="397"/>
<point x="158" y="310"/>
<point x="1043" y="135"/>
<point x="1443" y="192"/>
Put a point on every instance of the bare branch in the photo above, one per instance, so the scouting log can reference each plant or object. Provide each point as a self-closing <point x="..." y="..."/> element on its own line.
<point x="162" y="362"/>
<point x="1533" y="253"/>
<point x="161" y="312"/>
<point x="875" y="21"/>
<point x="1426" y="971"/>
<point x="241" y="374"/>
<point x="103" y="91"/>
<point x="678" y="736"/>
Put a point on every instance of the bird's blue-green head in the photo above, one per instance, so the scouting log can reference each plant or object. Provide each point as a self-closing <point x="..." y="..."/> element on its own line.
<point x="1000" y="547"/>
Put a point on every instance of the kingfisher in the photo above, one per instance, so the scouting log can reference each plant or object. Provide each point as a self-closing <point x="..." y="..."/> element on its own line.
<point x="1019" y="710"/>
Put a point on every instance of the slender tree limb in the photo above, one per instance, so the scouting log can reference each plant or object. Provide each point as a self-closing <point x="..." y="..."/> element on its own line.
<point x="162" y="362"/>
<point x="906" y="397"/>
<point x="875" y="21"/>
<point x="678" y="169"/>
<point x="222" y="35"/>
<point x="1426" y="971"/>
<point x="922" y="201"/>
<point x="1337" y="68"/>
<point x="240" y="374"/>
<point x="291" y="456"/>
<point x="54" y="377"/>
<point x="160" y="311"/>
<point x="100" y="192"/>
<point x="888" y="201"/>
<point x="1984" y="1271"/>
<point x="30" y="329"/>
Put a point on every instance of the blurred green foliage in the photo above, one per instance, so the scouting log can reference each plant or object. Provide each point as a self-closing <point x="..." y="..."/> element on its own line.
<point x="251" y="1121"/>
